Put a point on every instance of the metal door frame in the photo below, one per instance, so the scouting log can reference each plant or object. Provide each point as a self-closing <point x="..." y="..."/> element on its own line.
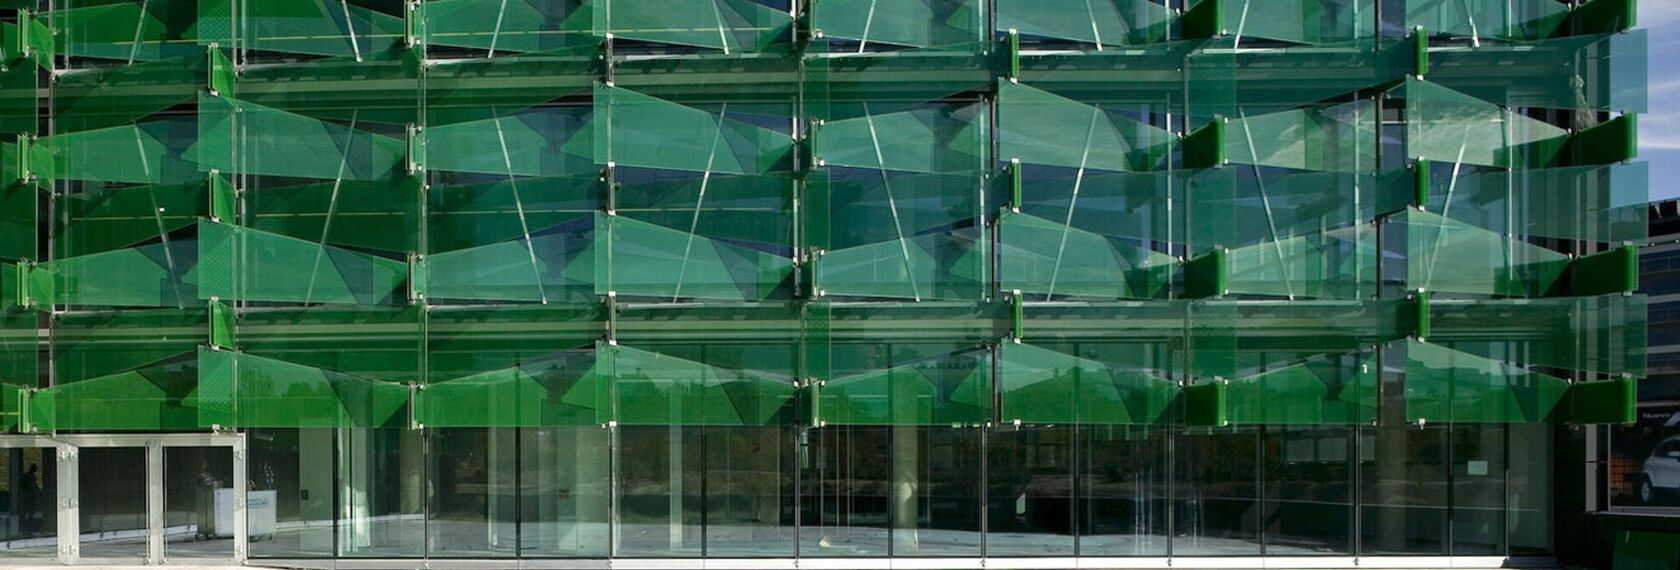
<point x="68" y="505"/>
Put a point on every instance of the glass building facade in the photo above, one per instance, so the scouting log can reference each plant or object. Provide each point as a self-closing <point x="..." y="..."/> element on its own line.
<point x="842" y="282"/>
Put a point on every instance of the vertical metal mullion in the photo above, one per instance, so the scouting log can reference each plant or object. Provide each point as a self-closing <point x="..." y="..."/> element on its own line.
<point x="1172" y="488"/>
<point x="1074" y="467"/>
<point x="241" y="527"/>
<point x="69" y="504"/>
<point x="519" y="491"/>
<point x="337" y="491"/>
<point x="1505" y="493"/>
<point x="1260" y="486"/>
<point x="892" y="488"/>
<point x="154" y="502"/>
<point x="613" y="483"/>
<point x="1452" y="498"/>
<point x="985" y="490"/>
<point x="705" y="479"/>
<point x="1356" y="485"/>
<point x="426" y="476"/>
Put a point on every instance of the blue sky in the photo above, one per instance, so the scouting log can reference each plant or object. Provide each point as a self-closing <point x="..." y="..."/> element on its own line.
<point x="1659" y="130"/>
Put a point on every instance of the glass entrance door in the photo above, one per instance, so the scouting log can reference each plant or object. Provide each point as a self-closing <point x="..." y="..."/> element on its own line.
<point x="125" y="499"/>
<point x="111" y="495"/>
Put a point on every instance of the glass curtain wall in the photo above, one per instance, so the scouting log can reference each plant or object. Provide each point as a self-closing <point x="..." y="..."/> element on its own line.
<point x="677" y="279"/>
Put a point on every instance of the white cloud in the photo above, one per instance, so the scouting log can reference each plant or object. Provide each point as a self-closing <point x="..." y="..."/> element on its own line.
<point x="1660" y="130"/>
<point x="1658" y="13"/>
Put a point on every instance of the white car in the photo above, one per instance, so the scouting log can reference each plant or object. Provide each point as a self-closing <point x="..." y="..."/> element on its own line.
<point x="1661" y="472"/>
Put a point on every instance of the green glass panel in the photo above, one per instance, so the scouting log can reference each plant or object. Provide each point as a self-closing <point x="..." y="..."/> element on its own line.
<point x="929" y="139"/>
<point x="1117" y="227"/>
<point x="130" y="30"/>
<point x="273" y="393"/>
<point x="269" y="267"/>
<point x="633" y="129"/>
<point x="547" y="142"/>
<point x="1301" y="21"/>
<point x="1333" y="390"/>
<point x="111" y="96"/>
<point x="360" y="94"/>
<point x="320" y="28"/>
<point x="1450" y="256"/>
<point x="104" y="344"/>
<point x="733" y="26"/>
<point x="1235" y="339"/>
<point x="1604" y="334"/>
<point x="1594" y="203"/>
<point x="896" y="210"/>
<point x="1040" y="385"/>
<point x="12" y="402"/>
<point x="509" y="27"/>
<point x="156" y="275"/>
<point x="152" y="152"/>
<point x="19" y="345"/>
<point x="19" y="109"/>
<point x="553" y="267"/>
<point x="159" y="397"/>
<point x="1445" y="385"/>
<point x="372" y="215"/>
<point x="564" y="390"/>
<point x="644" y="259"/>
<point x="931" y="389"/>
<point x="462" y="216"/>
<point x="1336" y="264"/>
<point x="376" y="342"/>
<point x="1602" y="72"/>
<point x="1101" y="22"/>
<point x="1047" y="257"/>
<point x="1448" y="126"/>
<point x="650" y="388"/>
<point x="924" y="267"/>
<point x="272" y="142"/>
<point x="41" y="408"/>
<point x="1288" y="234"/>
<point x="751" y="211"/>
<point x="462" y="90"/>
<point x="1338" y="138"/>
<point x="905" y="23"/>
<point x="1034" y="126"/>
<point x="107" y="217"/>
<point x="1491" y="19"/>
<point x="19" y="209"/>
<point x="464" y="341"/>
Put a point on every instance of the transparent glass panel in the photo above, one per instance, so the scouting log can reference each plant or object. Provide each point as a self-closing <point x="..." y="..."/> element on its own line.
<point x="28" y="518"/>
<point x="750" y="478"/>
<point x="1403" y="490"/>
<point x="1216" y="493"/>
<point x="1308" y="475"/>
<point x="936" y="491"/>
<point x="1029" y="491"/>
<point x="1123" y="491"/>
<point x="1478" y="490"/>
<point x="845" y="491"/>
<point x="659" y="496"/>
<point x="565" y="492"/>
<point x="292" y="493"/>
<point x="474" y="499"/>
<point x="382" y="493"/>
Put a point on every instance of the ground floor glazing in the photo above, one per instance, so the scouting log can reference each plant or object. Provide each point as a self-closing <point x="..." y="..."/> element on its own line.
<point x="695" y="492"/>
